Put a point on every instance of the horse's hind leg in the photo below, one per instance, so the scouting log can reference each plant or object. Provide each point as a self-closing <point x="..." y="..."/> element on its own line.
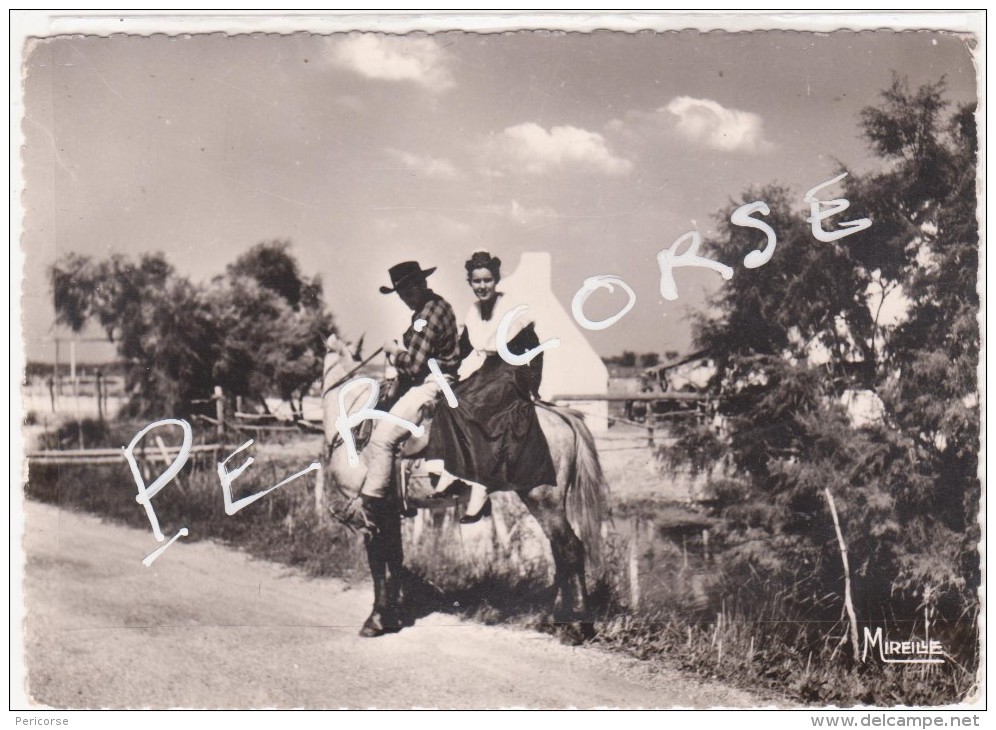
<point x="546" y="504"/>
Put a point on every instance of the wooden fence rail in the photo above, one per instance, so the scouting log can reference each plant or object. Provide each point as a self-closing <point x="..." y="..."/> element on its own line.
<point x="112" y="456"/>
<point x="623" y="397"/>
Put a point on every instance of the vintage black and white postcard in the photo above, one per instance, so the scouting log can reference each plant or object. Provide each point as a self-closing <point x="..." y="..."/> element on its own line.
<point x="499" y="361"/>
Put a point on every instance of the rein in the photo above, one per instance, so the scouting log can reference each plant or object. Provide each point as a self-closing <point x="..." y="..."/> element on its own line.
<point x="351" y="373"/>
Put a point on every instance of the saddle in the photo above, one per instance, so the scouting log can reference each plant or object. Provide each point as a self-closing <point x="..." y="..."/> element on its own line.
<point x="413" y="481"/>
<point x="414" y="484"/>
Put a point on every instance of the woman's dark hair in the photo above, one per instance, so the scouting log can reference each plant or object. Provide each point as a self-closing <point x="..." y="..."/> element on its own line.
<point x="484" y="260"/>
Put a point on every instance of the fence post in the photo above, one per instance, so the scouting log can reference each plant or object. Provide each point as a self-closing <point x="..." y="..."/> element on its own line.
<point x="634" y="567"/>
<point x="219" y="408"/>
<point x="57" y="377"/>
<point x="100" y="394"/>
<point x="320" y="493"/>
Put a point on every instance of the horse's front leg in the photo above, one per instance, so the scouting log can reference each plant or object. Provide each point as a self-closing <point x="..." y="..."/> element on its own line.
<point x="374" y="625"/>
<point x="394" y="560"/>
<point x="386" y="558"/>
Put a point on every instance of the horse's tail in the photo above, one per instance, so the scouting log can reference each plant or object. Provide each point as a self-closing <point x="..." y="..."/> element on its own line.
<point x="586" y="488"/>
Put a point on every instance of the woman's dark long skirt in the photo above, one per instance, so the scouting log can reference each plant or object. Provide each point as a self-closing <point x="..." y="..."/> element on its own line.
<point x="493" y="436"/>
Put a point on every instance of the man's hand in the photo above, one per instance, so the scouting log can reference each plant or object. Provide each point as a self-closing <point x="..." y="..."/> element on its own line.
<point x="356" y="516"/>
<point x="392" y="348"/>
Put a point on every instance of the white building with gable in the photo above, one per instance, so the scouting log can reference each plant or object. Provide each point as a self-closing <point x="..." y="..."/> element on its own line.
<point x="574" y="367"/>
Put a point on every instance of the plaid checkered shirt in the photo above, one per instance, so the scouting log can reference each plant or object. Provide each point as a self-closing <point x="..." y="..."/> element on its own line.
<point x="438" y="339"/>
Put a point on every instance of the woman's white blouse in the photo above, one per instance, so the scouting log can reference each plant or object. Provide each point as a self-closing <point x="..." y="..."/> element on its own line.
<point x="483" y="334"/>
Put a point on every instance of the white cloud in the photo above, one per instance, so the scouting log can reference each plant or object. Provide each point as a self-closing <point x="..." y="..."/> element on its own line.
<point x="709" y="123"/>
<point x="436" y="168"/>
<point x="531" y="148"/>
<point x="392" y="58"/>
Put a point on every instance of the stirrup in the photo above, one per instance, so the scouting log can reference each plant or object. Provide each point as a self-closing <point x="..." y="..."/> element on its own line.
<point x="448" y="492"/>
<point x="444" y="496"/>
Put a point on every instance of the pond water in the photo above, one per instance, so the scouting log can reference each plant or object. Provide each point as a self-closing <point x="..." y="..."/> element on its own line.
<point x="667" y="559"/>
<point x="658" y="555"/>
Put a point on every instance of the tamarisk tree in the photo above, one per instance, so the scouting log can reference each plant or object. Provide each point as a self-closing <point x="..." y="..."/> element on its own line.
<point x="255" y="330"/>
<point x="852" y="365"/>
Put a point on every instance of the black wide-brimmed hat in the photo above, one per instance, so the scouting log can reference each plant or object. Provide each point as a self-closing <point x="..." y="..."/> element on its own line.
<point x="403" y="272"/>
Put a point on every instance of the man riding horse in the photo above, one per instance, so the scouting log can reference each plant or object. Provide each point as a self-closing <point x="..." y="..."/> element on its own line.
<point x="431" y="336"/>
<point x="568" y="504"/>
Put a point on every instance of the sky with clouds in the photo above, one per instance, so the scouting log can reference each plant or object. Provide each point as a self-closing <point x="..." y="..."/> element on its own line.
<point x="365" y="150"/>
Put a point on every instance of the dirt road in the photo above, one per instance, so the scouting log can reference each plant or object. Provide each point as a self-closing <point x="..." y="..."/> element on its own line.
<point x="207" y="626"/>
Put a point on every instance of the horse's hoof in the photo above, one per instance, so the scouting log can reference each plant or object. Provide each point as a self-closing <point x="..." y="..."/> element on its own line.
<point x="378" y="624"/>
<point x="371" y="631"/>
<point x="588" y="630"/>
<point x="576" y="633"/>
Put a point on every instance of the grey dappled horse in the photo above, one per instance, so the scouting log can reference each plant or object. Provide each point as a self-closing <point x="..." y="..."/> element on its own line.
<point x="578" y="499"/>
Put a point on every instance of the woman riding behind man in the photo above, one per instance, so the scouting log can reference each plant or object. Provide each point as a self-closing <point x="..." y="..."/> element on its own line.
<point x="492" y="437"/>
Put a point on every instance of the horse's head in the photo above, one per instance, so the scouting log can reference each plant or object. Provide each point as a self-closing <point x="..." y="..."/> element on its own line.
<point x="339" y="361"/>
<point x="338" y="349"/>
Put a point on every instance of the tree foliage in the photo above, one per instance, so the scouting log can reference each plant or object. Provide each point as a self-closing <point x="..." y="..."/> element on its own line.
<point x="817" y="389"/>
<point x="257" y="330"/>
<point x="273" y="322"/>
